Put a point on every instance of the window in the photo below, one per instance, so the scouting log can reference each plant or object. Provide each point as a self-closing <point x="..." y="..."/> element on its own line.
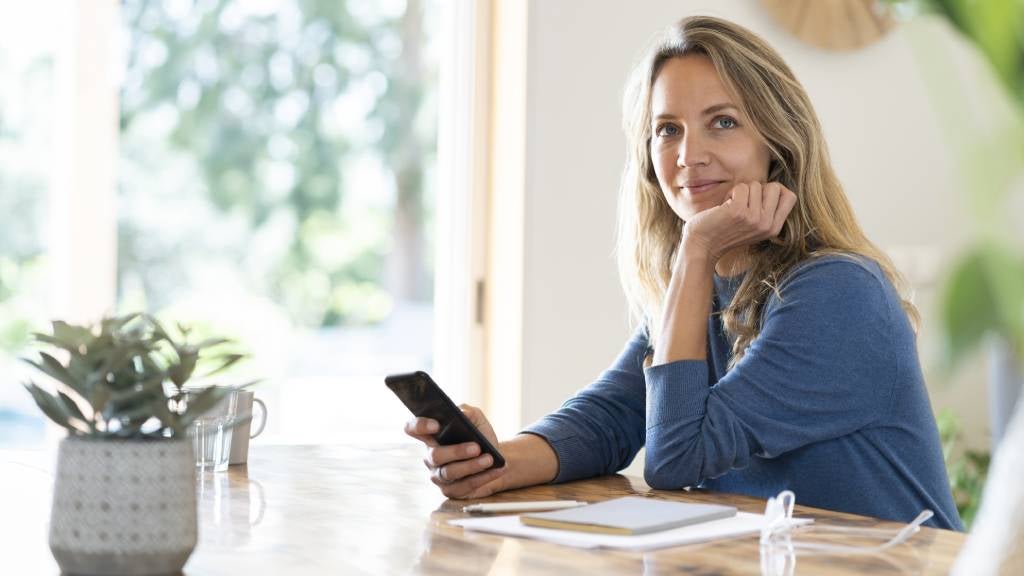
<point x="27" y="45"/>
<point x="275" y="185"/>
<point x="274" y="165"/>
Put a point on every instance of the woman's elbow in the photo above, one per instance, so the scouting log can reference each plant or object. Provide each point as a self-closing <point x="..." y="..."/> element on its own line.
<point x="658" y="481"/>
<point x="662" y="475"/>
<point x="670" y="464"/>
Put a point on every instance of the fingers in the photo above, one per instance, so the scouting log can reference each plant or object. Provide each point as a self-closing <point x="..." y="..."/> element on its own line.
<point x="754" y="202"/>
<point x="475" y="415"/>
<point x="423" y="429"/>
<point x="767" y="209"/>
<point x="752" y="213"/>
<point x="787" y="201"/>
<point x="422" y="426"/>
<point x="770" y="198"/>
<point x="476" y="486"/>
<point x="441" y="455"/>
<point x="740" y="196"/>
<point x="770" y="205"/>
<point x="460" y="470"/>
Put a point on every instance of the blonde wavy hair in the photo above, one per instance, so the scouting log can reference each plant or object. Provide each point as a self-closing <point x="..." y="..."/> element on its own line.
<point x="822" y="222"/>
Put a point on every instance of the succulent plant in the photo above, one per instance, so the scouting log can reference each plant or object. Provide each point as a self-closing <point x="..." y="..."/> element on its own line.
<point x="125" y="377"/>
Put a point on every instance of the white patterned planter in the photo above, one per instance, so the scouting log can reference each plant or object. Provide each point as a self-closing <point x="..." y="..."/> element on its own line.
<point x="123" y="506"/>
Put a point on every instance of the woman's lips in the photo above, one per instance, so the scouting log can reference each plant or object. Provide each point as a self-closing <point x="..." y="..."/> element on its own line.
<point x="701" y="186"/>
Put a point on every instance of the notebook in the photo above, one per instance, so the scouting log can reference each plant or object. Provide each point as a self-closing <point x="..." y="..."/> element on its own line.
<point x="629" y="515"/>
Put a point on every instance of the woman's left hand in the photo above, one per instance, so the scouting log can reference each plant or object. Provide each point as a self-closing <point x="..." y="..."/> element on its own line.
<point x="753" y="212"/>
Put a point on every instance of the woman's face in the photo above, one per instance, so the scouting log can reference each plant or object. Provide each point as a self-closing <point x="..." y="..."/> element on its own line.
<point x="701" y="144"/>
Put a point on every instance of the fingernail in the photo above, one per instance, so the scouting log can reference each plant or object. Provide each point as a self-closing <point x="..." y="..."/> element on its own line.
<point x="472" y="450"/>
<point x="484" y="460"/>
<point x="432" y="426"/>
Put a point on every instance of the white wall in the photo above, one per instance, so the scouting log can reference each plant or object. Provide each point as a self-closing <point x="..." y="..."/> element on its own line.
<point x="885" y="141"/>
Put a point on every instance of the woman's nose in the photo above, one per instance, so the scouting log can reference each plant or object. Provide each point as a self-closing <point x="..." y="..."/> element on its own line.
<point x="692" y="151"/>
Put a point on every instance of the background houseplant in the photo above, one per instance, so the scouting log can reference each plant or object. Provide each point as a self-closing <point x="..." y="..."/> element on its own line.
<point x="967" y="468"/>
<point x="124" y="495"/>
<point x="984" y="296"/>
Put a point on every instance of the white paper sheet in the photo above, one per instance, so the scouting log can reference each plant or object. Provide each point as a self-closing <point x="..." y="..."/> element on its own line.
<point x="742" y="524"/>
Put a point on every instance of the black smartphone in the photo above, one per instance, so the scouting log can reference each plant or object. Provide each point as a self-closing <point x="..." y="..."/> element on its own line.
<point x="424" y="398"/>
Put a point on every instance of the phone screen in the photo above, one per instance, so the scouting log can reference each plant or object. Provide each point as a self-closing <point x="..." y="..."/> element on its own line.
<point x="424" y="398"/>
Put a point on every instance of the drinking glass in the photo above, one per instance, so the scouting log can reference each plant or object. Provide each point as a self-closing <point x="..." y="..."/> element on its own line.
<point x="211" y="434"/>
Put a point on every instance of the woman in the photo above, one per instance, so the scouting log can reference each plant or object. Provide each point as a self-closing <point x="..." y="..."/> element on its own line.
<point x="774" y="350"/>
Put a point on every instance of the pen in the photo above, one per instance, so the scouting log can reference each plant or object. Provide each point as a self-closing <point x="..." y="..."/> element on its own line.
<point x="523" y="506"/>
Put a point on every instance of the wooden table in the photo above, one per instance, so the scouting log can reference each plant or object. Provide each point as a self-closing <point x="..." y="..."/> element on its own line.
<point x="372" y="510"/>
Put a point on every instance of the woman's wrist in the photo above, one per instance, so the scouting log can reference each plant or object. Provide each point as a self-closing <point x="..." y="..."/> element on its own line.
<point x="530" y="460"/>
<point x="695" y="253"/>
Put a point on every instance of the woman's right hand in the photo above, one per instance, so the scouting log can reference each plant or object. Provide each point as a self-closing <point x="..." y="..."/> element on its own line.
<point x="459" y="470"/>
<point x="752" y="213"/>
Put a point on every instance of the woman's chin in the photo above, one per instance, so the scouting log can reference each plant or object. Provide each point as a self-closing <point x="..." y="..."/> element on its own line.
<point x="686" y="207"/>
<point x="691" y="210"/>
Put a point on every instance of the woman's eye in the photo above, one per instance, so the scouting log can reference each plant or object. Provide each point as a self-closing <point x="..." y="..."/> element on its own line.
<point x="667" y="130"/>
<point x="724" y="122"/>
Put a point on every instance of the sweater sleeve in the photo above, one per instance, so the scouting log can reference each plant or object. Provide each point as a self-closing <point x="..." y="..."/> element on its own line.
<point x="822" y="367"/>
<point x="600" y="429"/>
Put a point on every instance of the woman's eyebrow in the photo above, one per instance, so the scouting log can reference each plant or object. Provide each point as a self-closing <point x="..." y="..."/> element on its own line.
<point x="707" y="111"/>
<point x="718" y="108"/>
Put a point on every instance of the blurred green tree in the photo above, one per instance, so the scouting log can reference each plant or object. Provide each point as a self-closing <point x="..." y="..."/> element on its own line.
<point x="255" y="97"/>
<point x="24" y="141"/>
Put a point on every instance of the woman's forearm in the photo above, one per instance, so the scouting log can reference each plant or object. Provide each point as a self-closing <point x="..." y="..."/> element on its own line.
<point x="687" y="306"/>
<point x="530" y="459"/>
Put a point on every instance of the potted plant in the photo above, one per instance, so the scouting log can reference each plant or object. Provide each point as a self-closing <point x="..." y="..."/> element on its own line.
<point x="124" y="494"/>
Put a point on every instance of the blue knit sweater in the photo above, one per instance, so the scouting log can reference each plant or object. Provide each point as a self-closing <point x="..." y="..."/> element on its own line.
<point x="829" y="401"/>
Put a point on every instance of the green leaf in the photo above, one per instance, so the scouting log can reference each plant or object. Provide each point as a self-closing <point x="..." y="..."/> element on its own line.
<point x="969" y="310"/>
<point x="51" y="407"/>
<point x="168" y="419"/>
<point x="51" y="367"/>
<point x="184" y="330"/>
<point x="158" y="329"/>
<point x="140" y="409"/>
<point x="182" y="371"/>
<point x="71" y="347"/>
<point x="99" y="396"/>
<point x="150" y="366"/>
<point x="135" y="406"/>
<point x="226" y="362"/>
<point x="211" y="342"/>
<point x="71" y="334"/>
<point x="72" y="406"/>
<point x="1006" y="277"/>
<point x="147" y="387"/>
<point x="984" y="295"/>
<point x="116" y="324"/>
<point x="127" y="408"/>
<point x="117" y="358"/>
